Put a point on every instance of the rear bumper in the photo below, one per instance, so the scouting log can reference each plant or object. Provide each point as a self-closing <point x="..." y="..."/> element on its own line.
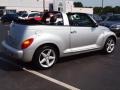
<point x="12" y="51"/>
<point x="23" y="55"/>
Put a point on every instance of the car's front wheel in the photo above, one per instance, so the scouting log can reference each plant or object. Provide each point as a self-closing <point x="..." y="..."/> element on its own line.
<point x="46" y="57"/>
<point x="109" y="45"/>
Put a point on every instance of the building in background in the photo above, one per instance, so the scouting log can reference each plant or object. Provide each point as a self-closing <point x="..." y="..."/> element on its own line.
<point x="12" y="6"/>
<point x="68" y="6"/>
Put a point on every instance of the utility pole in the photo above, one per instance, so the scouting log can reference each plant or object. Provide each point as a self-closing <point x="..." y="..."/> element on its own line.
<point x="102" y="4"/>
<point x="43" y="5"/>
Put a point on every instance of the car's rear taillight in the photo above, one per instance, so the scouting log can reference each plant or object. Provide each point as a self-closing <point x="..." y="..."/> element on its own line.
<point x="27" y="43"/>
<point x="38" y="18"/>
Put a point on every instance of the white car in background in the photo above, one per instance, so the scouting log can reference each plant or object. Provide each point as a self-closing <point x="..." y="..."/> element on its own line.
<point x="30" y="15"/>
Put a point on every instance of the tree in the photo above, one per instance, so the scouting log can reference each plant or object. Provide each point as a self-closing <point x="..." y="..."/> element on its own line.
<point x="116" y="10"/>
<point x="107" y="9"/>
<point x="78" y="4"/>
<point x="98" y="10"/>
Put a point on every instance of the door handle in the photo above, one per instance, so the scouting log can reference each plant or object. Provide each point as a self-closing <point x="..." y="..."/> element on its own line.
<point x="72" y="32"/>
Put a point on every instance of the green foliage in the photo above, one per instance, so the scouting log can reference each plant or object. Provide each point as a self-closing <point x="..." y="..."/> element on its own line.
<point x="116" y="10"/>
<point x="97" y="10"/>
<point x="107" y="9"/>
<point x="78" y="4"/>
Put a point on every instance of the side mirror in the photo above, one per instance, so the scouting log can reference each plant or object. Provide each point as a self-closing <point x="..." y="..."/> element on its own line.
<point x="95" y="25"/>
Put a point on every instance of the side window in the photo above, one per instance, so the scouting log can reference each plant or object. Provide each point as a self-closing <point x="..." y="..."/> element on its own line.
<point x="55" y="19"/>
<point x="77" y="19"/>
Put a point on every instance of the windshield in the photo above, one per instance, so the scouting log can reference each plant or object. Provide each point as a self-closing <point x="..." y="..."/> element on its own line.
<point x="24" y="15"/>
<point x="114" y="18"/>
<point x="96" y="17"/>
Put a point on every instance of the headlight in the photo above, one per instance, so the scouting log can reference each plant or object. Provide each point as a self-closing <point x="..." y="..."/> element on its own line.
<point x="116" y="27"/>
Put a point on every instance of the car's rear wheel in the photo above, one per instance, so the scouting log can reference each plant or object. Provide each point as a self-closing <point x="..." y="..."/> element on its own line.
<point x="109" y="46"/>
<point x="46" y="57"/>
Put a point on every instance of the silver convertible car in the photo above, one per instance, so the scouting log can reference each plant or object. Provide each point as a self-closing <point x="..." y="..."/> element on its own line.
<point x="56" y="35"/>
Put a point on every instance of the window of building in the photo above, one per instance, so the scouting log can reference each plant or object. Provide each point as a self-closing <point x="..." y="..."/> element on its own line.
<point x="60" y="7"/>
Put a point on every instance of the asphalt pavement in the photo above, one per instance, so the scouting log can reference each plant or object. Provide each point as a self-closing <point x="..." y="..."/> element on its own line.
<point x="90" y="71"/>
<point x="3" y="32"/>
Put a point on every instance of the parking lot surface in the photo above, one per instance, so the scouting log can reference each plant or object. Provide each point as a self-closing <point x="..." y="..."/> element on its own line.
<point x="91" y="71"/>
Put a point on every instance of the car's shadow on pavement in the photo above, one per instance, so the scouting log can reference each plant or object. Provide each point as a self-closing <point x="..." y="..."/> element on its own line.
<point x="8" y="67"/>
<point x="78" y="57"/>
<point x="18" y="65"/>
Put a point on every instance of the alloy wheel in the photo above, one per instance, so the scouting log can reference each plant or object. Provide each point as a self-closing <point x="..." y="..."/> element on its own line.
<point x="47" y="58"/>
<point x="110" y="45"/>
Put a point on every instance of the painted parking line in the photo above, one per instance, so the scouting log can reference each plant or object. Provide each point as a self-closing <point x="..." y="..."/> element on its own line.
<point x="60" y="83"/>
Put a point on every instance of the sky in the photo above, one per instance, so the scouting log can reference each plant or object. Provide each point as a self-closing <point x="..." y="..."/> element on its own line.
<point x="99" y="2"/>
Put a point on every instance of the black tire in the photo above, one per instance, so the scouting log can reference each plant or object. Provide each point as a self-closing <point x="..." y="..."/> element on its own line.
<point x="38" y="55"/>
<point x="2" y="21"/>
<point x="107" y="48"/>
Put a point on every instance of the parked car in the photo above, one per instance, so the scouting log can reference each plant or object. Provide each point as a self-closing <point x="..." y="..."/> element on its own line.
<point x="20" y="13"/>
<point x="31" y="15"/>
<point x="43" y="43"/>
<point x="97" y="17"/>
<point x="105" y="16"/>
<point x="113" y="23"/>
<point x="8" y="18"/>
<point x="23" y="16"/>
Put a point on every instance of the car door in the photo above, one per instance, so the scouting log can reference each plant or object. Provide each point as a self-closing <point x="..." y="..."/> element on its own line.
<point x="84" y="34"/>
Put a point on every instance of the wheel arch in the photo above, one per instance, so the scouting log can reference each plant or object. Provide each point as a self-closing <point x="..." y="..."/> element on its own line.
<point x="104" y="48"/>
<point x="47" y="44"/>
<point x="112" y="36"/>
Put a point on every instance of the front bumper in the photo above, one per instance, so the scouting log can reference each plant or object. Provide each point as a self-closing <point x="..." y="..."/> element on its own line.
<point x="12" y="51"/>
